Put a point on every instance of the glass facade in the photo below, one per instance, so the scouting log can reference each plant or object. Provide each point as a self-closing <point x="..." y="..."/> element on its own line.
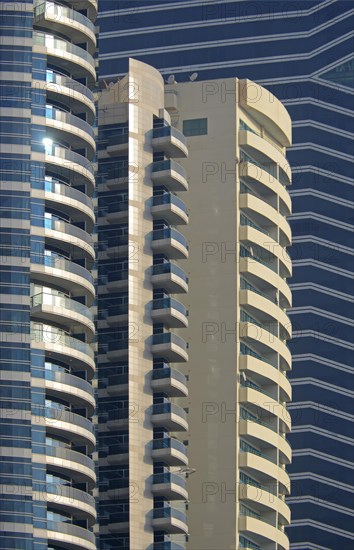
<point x="303" y="53"/>
<point x="47" y="402"/>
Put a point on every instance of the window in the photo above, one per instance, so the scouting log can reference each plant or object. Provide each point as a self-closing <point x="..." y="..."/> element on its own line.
<point x="195" y="127"/>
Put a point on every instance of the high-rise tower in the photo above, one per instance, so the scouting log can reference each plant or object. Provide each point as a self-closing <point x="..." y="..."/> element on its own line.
<point x="303" y="52"/>
<point x="142" y="485"/>
<point x="47" y="361"/>
<point x="235" y="453"/>
<point x="238" y="233"/>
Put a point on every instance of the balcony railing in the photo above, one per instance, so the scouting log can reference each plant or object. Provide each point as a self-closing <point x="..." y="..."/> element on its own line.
<point x="60" y="187"/>
<point x="68" y="228"/>
<point x="60" y="262"/>
<point x="245" y="350"/>
<point x="247" y="448"/>
<point x="52" y="335"/>
<point x="59" y="11"/>
<point x="56" y="301"/>
<point x="164" y="303"/>
<point x="62" y="116"/>
<point x="169" y="198"/>
<point x="166" y="131"/>
<point x="167" y="372"/>
<point x="169" y="443"/>
<point x="168" y="512"/>
<point x="169" y="338"/>
<point x="169" y="477"/>
<point x="169" y="267"/>
<point x="50" y="41"/>
<point x="245" y="285"/>
<point x="169" y="408"/>
<point x="246" y="221"/>
<point x="67" y="82"/>
<point x="245" y="253"/>
<point x="161" y="165"/>
<point x="168" y="233"/>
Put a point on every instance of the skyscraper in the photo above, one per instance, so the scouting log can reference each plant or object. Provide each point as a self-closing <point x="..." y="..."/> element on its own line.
<point x="47" y="360"/>
<point x="303" y="53"/>
<point x="232" y="323"/>
<point x="142" y="485"/>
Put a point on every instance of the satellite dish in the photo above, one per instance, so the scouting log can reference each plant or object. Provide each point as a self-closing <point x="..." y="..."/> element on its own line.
<point x="171" y="79"/>
<point x="111" y="84"/>
<point x="193" y="77"/>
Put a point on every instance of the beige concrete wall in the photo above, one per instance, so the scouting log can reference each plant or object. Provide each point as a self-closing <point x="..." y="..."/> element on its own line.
<point x="214" y="290"/>
<point x="213" y="308"/>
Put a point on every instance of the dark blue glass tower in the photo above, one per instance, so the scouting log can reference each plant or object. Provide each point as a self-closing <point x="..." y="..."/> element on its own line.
<point x="302" y="52"/>
<point x="46" y="287"/>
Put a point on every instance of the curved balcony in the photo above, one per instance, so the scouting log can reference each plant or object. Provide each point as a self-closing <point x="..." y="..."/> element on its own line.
<point x="170" y="486"/>
<point x="258" y="401"/>
<point x="56" y="270"/>
<point x="264" y="152"/>
<point x="77" y="466"/>
<point x="70" y="165"/>
<point x="170" y="346"/>
<point x="170" y="451"/>
<point x="117" y="384"/>
<point x="118" y="144"/>
<point x="169" y="311"/>
<point x="117" y="315"/>
<point x="117" y="349"/>
<point x="262" y="435"/>
<point x="170" y="208"/>
<point x="268" y="248"/>
<point x="169" y="173"/>
<point x="265" y="184"/>
<point x="261" y="275"/>
<point x="71" y="426"/>
<point x="66" y="56"/>
<point x="170" y="242"/>
<point x="64" y="235"/>
<point x="264" y="373"/>
<point x="169" y="416"/>
<point x="90" y="5"/>
<point x="264" y="470"/>
<point x="66" y="386"/>
<point x="119" y="418"/>
<point x="169" y="381"/>
<point x="71" y="129"/>
<point x="264" y="309"/>
<point x="169" y="520"/>
<point x="59" y="533"/>
<point x="60" y="195"/>
<point x="73" y="501"/>
<point x="169" y="276"/>
<point x="66" y="22"/>
<point x="266" y="110"/>
<point x="116" y="280"/>
<point x="170" y="141"/>
<point x="73" y="94"/>
<point x="61" y="346"/>
<point x="265" y="342"/>
<point x="264" y="501"/>
<point x="266" y="216"/>
<point x="263" y="533"/>
<point x="61" y="309"/>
